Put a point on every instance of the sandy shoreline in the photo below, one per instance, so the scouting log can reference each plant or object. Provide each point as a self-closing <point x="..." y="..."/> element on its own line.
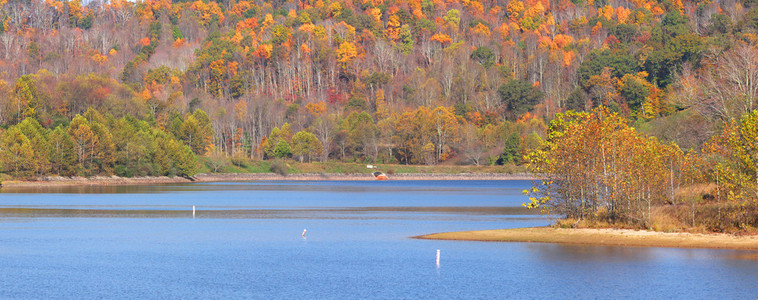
<point x="608" y="237"/>
<point x="115" y="180"/>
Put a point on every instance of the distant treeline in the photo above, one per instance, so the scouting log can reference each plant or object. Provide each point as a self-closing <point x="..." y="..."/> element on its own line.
<point x="673" y="66"/>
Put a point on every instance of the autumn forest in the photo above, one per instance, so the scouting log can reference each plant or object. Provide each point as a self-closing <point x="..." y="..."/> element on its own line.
<point x="635" y="112"/>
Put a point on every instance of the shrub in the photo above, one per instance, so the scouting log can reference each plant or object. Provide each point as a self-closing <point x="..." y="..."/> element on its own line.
<point x="241" y="162"/>
<point x="279" y="167"/>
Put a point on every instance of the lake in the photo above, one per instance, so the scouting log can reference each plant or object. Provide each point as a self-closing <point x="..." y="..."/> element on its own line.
<point x="245" y="241"/>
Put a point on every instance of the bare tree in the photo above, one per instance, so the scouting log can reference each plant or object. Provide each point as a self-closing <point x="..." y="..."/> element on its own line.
<point x="731" y="89"/>
<point x="8" y="39"/>
<point x="471" y="144"/>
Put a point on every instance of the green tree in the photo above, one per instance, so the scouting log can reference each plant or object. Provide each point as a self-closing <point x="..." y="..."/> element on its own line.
<point x="132" y="140"/>
<point x="666" y="61"/>
<point x="626" y="33"/>
<point x="16" y="153"/>
<point x="720" y="23"/>
<point x="103" y="153"/>
<point x="162" y="157"/>
<point x="270" y="142"/>
<point x="518" y="97"/>
<point x="273" y="139"/>
<point x="405" y="44"/>
<point x="27" y="96"/>
<point x="635" y="92"/>
<point x="192" y="135"/>
<point x="619" y="61"/>
<point x="484" y="56"/>
<point x="63" y="156"/>
<point x="185" y="160"/>
<point x="305" y="144"/>
<point x="174" y="158"/>
<point x="512" y="150"/>
<point x="86" y="142"/>
<point x="33" y="52"/>
<point x="577" y="100"/>
<point x="282" y="149"/>
<point x="175" y="123"/>
<point x="37" y="136"/>
<point x="197" y="132"/>
<point x="93" y="143"/>
<point x="751" y="17"/>
<point x="672" y="25"/>
<point x="286" y="132"/>
<point x="361" y="132"/>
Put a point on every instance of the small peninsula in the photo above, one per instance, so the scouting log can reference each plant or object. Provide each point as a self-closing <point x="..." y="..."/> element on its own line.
<point x="605" y="237"/>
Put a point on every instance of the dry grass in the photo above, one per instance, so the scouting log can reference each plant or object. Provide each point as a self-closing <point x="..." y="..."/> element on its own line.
<point x="695" y="190"/>
<point x="693" y="209"/>
<point x="591" y="223"/>
<point x="663" y="222"/>
<point x="610" y="237"/>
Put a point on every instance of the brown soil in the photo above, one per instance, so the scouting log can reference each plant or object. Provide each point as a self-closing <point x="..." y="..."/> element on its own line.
<point x="610" y="237"/>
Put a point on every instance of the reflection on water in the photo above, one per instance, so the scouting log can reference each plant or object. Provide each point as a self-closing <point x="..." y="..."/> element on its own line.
<point x="599" y="254"/>
<point x="246" y="242"/>
<point x="274" y="195"/>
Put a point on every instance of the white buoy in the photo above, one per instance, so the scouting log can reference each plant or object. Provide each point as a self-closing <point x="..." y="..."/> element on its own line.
<point x="193" y="211"/>
<point x="438" y="257"/>
<point x="304" y="230"/>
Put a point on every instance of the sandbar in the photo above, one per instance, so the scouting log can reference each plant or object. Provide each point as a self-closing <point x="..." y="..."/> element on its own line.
<point x="607" y="237"/>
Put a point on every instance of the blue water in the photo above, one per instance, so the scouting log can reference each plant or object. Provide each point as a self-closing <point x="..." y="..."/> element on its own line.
<point x="357" y="246"/>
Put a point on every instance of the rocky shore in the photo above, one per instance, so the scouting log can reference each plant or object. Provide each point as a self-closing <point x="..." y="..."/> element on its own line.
<point x="218" y="177"/>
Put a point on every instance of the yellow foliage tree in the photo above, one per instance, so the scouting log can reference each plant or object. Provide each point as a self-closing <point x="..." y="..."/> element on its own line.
<point x="619" y="178"/>
<point x="346" y="53"/>
<point x="393" y="28"/>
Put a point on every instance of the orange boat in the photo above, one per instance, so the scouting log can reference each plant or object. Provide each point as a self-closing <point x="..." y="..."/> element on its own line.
<point x="380" y="176"/>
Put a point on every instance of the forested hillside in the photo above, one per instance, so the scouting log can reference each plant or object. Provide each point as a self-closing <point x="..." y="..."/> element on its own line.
<point x="145" y="87"/>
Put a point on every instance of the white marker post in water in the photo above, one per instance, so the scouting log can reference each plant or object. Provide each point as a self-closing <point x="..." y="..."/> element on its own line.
<point x="193" y="211"/>
<point x="438" y="257"/>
